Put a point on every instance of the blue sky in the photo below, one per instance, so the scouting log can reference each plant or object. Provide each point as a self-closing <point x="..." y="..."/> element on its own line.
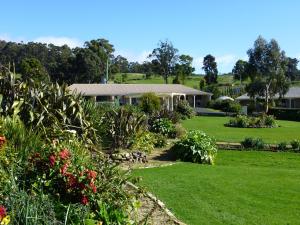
<point x="223" y="28"/>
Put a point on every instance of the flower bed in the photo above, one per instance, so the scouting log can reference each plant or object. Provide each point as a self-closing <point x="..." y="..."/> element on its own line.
<point x="263" y="121"/>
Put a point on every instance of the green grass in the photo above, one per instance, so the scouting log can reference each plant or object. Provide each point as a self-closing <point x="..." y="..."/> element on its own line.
<point x="242" y="188"/>
<point x="191" y="81"/>
<point x="214" y="126"/>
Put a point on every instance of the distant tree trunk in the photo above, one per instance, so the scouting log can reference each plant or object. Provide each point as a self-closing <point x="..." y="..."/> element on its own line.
<point x="166" y="78"/>
<point x="267" y="97"/>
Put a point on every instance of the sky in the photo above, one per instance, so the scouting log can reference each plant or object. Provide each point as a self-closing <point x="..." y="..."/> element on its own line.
<point x="224" y="28"/>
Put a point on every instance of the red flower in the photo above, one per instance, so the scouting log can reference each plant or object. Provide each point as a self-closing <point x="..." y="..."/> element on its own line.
<point x="81" y="186"/>
<point x="93" y="187"/>
<point x="91" y="174"/>
<point x="72" y="180"/>
<point x="2" y="140"/>
<point x="64" y="154"/>
<point x="52" y="160"/>
<point x="63" y="169"/>
<point x="84" y="200"/>
<point x="2" y="212"/>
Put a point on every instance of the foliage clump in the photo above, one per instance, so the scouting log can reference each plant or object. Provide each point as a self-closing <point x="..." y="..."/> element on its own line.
<point x="242" y="121"/>
<point x="150" y="103"/>
<point x="253" y="143"/>
<point x="226" y="106"/>
<point x="184" y="109"/>
<point x="196" y="147"/>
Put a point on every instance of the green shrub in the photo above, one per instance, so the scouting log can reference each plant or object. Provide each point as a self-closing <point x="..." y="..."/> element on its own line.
<point x="144" y="141"/>
<point x="121" y="125"/>
<point x="282" y="146"/>
<point x="254" y="143"/>
<point x="163" y="126"/>
<point x="171" y="115"/>
<point x="160" y="141"/>
<point x="295" y="145"/>
<point x="243" y="121"/>
<point x="184" y="109"/>
<point x="226" y="106"/>
<point x="180" y="131"/>
<point x="285" y="114"/>
<point x="196" y="147"/>
<point x="150" y="103"/>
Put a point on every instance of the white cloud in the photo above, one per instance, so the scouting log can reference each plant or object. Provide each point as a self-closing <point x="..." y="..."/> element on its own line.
<point x="226" y="60"/>
<point x="134" y="57"/>
<point x="59" y="41"/>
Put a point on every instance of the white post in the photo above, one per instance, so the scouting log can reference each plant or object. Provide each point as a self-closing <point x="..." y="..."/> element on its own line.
<point x="130" y="101"/>
<point x="172" y="103"/>
<point x="290" y="103"/>
<point x="194" y="101"/>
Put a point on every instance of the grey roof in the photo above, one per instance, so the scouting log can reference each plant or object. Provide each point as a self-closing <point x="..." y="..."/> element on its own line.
<point x="132" y="89"/>
<point x="293" y="92"/>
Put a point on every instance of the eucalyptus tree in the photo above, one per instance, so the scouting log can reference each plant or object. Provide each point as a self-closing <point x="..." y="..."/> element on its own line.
<point x="165" y="57"/>
<point x="211" y="70"/>
<point x="267" y="68"/>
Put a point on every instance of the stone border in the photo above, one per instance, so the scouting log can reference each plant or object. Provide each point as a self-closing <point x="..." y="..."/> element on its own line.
<point x="159" y="203"/>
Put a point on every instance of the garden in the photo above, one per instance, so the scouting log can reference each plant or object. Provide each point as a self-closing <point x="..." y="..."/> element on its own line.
<point x="64" y="159"/>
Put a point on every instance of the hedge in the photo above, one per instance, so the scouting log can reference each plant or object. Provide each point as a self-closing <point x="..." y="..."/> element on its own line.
<point x="285" y="114"/>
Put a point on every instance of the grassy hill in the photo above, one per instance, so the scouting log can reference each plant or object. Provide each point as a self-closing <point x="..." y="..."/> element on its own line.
<point x="191" y="81"/>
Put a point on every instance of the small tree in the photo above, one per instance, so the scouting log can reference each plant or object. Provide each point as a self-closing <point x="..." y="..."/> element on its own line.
<point x="150" y="103"/>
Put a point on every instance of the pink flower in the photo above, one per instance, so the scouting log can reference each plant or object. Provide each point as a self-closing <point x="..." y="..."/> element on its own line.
<point x="64" y="154"/>
<point x="52" y="160"/>
<point x="93" y="187"/>
<point x="2" y="212"/>
<point x="84" y="200"/>
<point x="72" y="180"/>
<point x="91" y="174"/>
<point x="63" y="169"/>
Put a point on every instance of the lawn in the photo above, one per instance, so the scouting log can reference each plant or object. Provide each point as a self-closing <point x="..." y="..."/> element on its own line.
<point x="214" y="126"/>
<point x="242" y="188"/>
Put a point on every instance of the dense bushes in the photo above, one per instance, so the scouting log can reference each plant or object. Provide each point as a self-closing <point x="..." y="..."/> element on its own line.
<point x="263" y="121"/>
<point x="121" y="125"/>
<point x="253" y="143"/>
<point x="285" y="114"/>
<point x="196" y="147"/>
<point x="163" y="126"/>
<point x="150" y="103"/>
<point x="226" y="106"/>
<point x="184" y="109"/>
<point x="295" y="145"/>
<point x="60" y="181"/>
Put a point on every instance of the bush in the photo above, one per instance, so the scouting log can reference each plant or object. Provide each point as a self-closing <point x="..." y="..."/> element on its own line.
<point x="196" y="147"/>
<point x="150" y="103"/>
<point x="242" y="121"/>
<point x="226" y="106"/>
<point x="171" y="115"/>
<point x="160" y="141"/>
<point x="254" y="143"/>
<point x="180" y="131"/>
<point x="184" y="109"/>
<point x="144" y="141"/>
<point x="163" y="126"/>
<point x="282" y="146"/>
<point x="285" y="114"/>
<point x="121" y="125"/>
<point x="295" y="145"/>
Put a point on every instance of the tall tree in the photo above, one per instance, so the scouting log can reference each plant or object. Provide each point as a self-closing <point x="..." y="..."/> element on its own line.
<point x="239" y="71"/>
<point x="166" y="57"/>
<point x="292" y="71"/>
<point x="184" y="68"/>
<point x="268" y="67"/>
<point x="210" y="68"/>
<point x="32" y="69"/>
<point x="103" y="49"/>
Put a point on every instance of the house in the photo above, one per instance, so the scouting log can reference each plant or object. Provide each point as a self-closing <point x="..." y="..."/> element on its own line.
<point x="290" y="100"/>
<point x="122" y="94"/>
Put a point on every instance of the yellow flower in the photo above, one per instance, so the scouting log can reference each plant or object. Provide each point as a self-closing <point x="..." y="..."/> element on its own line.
<point x="5" y="220"/>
